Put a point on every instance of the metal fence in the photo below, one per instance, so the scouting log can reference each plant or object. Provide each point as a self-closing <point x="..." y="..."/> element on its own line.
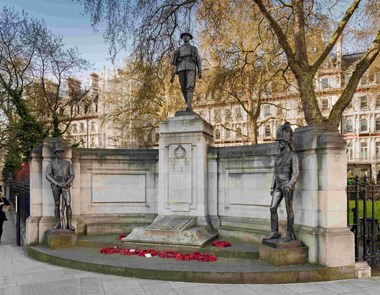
<point x="363" y="210"/>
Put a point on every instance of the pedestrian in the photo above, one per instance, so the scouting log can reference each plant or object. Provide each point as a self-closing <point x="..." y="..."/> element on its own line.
<point x="4" y="207"/>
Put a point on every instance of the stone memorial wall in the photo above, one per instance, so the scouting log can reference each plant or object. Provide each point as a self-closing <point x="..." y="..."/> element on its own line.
<point x="116" y="191"/>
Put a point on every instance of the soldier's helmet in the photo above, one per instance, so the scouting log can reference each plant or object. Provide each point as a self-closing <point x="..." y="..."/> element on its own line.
<point x="58" y="147"/>
<point x="285" y="133"/>
<point x="188" y="34"/>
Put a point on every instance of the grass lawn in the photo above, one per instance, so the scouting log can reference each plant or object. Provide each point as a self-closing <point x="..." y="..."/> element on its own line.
<point x="369" y="210"/>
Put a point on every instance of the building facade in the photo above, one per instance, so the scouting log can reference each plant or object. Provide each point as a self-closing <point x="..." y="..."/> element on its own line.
<point x="360" y="123"/>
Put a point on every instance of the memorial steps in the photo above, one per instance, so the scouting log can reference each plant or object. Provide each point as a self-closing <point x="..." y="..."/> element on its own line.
<point x="237" y="264"/>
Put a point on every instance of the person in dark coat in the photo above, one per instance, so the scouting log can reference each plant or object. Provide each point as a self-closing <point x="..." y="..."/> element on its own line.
<point x="3" y="203"/>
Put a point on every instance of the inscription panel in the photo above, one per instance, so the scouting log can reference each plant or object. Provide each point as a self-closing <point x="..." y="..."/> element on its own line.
<point x="180" y="176"/>
<point x="248" y="188"/>
<point x="116" y="188"/>
<point x="173" y="223"/>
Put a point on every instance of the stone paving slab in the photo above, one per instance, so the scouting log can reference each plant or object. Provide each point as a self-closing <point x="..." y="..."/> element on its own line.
<point x="12" y="281"/>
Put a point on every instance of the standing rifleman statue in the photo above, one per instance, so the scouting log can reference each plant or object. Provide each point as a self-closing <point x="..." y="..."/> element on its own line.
<point x="284" y="177"/>
<point x="186" y="61"/>
<point x="59" y="173"/>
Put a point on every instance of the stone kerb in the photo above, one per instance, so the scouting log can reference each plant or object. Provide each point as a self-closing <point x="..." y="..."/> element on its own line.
<point x="320" y="197"/>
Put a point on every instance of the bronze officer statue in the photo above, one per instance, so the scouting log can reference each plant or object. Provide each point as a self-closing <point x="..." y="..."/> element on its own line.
<point x="186" y="61"/>
<point x="60" y="174"/>
<point x="284" y="177"/>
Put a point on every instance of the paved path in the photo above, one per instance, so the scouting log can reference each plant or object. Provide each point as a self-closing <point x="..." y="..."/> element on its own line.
<point x="21" y="275"/>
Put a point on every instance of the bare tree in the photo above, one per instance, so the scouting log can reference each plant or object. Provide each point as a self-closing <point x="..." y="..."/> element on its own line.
<point x="56" y="95"/>
<point x="154" y="25"/>
<point x="137" y="100"/>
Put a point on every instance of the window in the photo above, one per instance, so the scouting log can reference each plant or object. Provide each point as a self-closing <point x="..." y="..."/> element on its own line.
<point x="325" y="104"/>
<point x="325" y="83"/>
<point x="217" y="116"/>
<point x="377" y="102"/>
<point x="363" y="125"/>
<point x="377" y="149"/>
<point x="74" y="128"/>
<point x="349" y="107"/>
<point x="349" y="151"/>
<point x="279" y="109"/>
<point x="81" y="127"/>
<point x="227" y="114"/>
<point x="238" y="114"/>
<point x="227" y="131"/>
<point x="267" y="131"/>
<point x="349" y="126"/>
<point x="377" y="124"/>
<point x="364" y="80"/>
<point x="238" y="132"/>
<point x="266" y="111"/>
<point x="363" y="102"/>
<point x="377" y="78"/>
<point x="217" y="134"/>
<point x="363" y="151"/>
<point x="228" y="134"/>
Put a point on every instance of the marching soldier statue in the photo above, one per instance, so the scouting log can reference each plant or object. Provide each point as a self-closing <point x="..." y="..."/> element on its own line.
<point x="59" y="173"/>
<point x="186" y="62"/>
<point x="284" y="177"/>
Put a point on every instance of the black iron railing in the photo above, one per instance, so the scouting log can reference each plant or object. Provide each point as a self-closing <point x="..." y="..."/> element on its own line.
<point x="19" y="194"/>
<point x="363" y="210"/>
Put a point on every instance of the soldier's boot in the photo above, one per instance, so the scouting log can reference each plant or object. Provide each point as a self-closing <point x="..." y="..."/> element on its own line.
<point x="57" y="218"/>
<point x="273" y="235"/>
<point x="188" y="101"/>
<point x="290" y="236"/>
<point x="274" y="227"/>
<point x="68" y="218"/>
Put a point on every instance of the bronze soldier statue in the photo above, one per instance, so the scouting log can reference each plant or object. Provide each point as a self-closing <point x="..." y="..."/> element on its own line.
<point x="186" y="61"/>
<point x="59" y="173"/>
<point x="284" y="177"/>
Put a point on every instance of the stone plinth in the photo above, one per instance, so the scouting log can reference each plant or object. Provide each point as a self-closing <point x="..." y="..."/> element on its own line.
<point x="183" y="214"/>
<point x="58" y="238"/>
<point x="279" y="253"/>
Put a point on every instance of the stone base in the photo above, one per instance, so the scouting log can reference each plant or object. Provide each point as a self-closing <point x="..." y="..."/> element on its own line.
<point x="173" y="230"/>
<point x="362" y="270"/>
<point x="58" y="238"/>
<point x="280" y="253"/>
<point x="185" y="113"/>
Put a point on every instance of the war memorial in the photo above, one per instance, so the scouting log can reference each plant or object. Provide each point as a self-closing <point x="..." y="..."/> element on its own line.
<point x="282" y="205"/>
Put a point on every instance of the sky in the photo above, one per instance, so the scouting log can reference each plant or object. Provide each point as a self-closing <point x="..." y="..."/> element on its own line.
<point x="66" y="18"/>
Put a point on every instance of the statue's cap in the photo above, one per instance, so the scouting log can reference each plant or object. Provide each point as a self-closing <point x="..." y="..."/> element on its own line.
<point x="285" y="133"/>
<point x="186" y="33"/>
<point x="58" y="147"/>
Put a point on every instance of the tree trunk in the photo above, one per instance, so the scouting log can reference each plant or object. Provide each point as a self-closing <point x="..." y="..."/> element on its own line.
<point x="313" y="114"/>
<point x="252" y="131"/>
<point x="56" y="131"/>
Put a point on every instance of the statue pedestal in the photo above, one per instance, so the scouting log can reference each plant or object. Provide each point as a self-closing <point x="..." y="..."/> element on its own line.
<point x="279" y="253"/>
<point x="183" y="214"/>
<point x="59" y="238"/>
